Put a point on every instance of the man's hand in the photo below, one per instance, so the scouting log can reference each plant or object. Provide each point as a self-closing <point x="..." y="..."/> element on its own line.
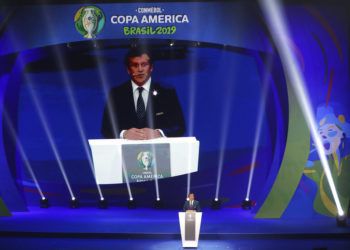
<point x="151" y="133"/>
<point x="134" y="134"/>
<point x="141" y="134"/>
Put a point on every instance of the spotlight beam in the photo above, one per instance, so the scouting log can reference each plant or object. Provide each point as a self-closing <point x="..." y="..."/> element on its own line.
<point x="190" y="152"/>
<point x="110" y="110"/>
<point x="49" y="136"/>
<point x="223" y="138"/>
<point x="192" y="95"/>
<point x="102" y="73"/>
<point x="125" y="172"/>
<point x="262" y="105"/>
<point x="73" y="104"/>
<point x="43" y="121"/>
<point x="22" y="152"/>
<point x="155" y="170"/>
<point x="191" y="107"/>
<point x="188" y="183"/>
<point x="76" y="115"/>
<point x="280" y="34"/>
<point x="223" y="141"/>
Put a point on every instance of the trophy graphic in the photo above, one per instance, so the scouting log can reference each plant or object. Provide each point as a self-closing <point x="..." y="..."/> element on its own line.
<point x="145" y="159"/>
<point x="89" y="22"/>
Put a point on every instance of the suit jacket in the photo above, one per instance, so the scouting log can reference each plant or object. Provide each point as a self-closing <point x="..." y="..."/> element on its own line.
<point x="196" y="206"/>
<point x="163" y="111"/>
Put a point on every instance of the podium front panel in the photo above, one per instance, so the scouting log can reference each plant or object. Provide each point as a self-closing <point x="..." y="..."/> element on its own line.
<point x="187" y="237"/>
<point x="190" y="226"/>
<point x="109" y="155"/>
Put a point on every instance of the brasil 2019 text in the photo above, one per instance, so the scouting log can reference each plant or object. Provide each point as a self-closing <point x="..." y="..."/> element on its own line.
<point x="149" y="30"/>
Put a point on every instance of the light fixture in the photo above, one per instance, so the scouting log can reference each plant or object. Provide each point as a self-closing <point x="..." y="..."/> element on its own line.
<point x="74" y="203"/>
<point x="216" y="204"/>
<point x="341" y="220"/>
<point x="102" y="203"/>
<point x="247" y="204"/>
<point x="131" y="203"/>
<point x="44" y="202"/>
<point x="158" y="203"/>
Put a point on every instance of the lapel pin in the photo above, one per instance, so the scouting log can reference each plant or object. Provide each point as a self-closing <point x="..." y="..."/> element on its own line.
<point x="155" y="93"/>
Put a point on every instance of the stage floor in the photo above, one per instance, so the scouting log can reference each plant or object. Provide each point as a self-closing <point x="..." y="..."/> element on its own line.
<point x="26" y="243"/>
<point x="227" y="223"/>
<point x="120" y="228"/>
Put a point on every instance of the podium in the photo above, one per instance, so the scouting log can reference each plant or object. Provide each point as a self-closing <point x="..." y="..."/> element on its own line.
<point x="190" y="224"/>
<point x="119" y="161"/>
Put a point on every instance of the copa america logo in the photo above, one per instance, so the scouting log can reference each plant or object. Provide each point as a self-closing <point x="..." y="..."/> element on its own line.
<point x="89" y="21"/>
<point x="145" y="160"/>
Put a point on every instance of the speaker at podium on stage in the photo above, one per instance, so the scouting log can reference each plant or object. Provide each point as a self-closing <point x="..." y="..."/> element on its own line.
<point x="190" y="222"/>
<point x="191" y="204"/>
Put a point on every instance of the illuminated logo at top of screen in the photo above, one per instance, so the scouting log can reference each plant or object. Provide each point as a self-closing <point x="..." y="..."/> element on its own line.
<point x="89" y="21"/>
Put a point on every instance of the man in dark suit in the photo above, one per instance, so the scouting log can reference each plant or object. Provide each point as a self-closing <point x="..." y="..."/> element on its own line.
<point x="192" y="204"/>
<point x="141" y="109"/>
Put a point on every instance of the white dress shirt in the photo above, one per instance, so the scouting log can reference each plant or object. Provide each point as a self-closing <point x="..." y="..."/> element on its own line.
<point x="145" y="93"/>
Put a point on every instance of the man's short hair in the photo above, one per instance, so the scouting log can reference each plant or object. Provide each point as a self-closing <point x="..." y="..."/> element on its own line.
<point x="135" y="52"/>
<point x="190" y="193"/>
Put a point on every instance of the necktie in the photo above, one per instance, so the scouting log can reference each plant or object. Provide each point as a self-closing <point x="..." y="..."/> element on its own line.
<point x="140" y="109"/>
